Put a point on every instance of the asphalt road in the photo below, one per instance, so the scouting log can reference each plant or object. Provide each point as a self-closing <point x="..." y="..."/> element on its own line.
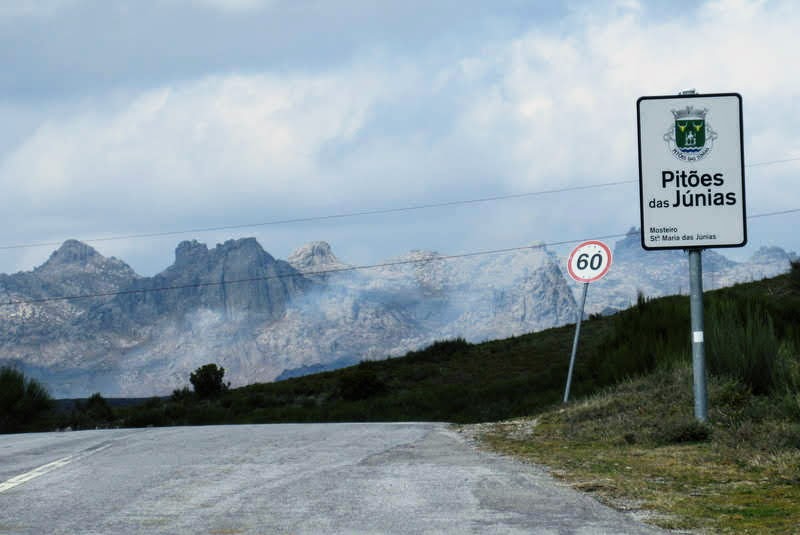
<point x="321" y="478"/>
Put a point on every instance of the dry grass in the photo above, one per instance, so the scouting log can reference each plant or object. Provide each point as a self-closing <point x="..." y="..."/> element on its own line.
<point x="622" y="446"/>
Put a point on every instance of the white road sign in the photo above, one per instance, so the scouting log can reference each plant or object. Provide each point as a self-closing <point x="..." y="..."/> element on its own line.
<point x="589" y="261"/>
<point x="691" y="171"/>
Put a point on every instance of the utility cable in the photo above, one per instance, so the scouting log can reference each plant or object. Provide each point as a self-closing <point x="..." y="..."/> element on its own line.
<point x="305" y="273"/>
<point x="337" y="269"/>
<point x="359" y="213"/>
<point x="343" y="215"/>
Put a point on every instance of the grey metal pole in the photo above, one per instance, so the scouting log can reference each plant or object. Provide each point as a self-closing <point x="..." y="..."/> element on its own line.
<point x="575" y="341"/>
<point x="698" y="338"/>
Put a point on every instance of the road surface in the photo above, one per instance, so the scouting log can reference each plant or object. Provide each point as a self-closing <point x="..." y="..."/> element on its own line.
<point x="285" y="479"/>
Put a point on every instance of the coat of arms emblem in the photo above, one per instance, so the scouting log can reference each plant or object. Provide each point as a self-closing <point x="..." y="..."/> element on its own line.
<point x="690" y="137"/>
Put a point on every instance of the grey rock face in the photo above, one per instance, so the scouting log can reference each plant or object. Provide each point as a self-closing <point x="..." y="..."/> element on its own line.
<point x="237" y="278"/>
<point x="415" y="300"/>
<point x="316" y="260"/>
<point x="50" y="338"/>
<point x="313" y="256"/>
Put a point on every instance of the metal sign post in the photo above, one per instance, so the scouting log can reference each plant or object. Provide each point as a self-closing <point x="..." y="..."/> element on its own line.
<point x="589" y="261"/>
<point x="698" y="342"/>
<point x="691" y="191"/>
<point x="575" y="342"/>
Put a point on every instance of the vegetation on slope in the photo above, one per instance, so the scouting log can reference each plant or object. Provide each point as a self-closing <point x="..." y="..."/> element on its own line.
<point x="637" y="446"/>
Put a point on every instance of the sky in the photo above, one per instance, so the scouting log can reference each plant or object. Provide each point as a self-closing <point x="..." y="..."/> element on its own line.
<point x="129" y="118"/>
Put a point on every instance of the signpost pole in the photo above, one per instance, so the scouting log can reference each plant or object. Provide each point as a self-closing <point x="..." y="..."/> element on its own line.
<point x="698" y="342"/>
<point x="575" y="341"/>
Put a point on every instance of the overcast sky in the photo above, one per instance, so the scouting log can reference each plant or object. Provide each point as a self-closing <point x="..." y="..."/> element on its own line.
<point x="123" y="117"/>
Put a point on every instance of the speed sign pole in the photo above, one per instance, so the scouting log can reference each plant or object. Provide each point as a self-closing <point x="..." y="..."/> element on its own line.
<point x="588" y="262"/>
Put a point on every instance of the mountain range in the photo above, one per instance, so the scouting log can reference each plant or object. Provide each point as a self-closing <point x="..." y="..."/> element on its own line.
<point x="84" y="323"/>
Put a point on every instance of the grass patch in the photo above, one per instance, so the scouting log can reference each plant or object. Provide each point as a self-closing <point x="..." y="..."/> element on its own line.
<point x="637" y="446"/>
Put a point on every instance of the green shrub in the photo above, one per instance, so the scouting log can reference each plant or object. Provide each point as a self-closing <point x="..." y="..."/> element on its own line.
<point x="22" y="400"/>
<point x="98" y="409"/>
<point x="741" y="343"/>
<point x="642" y="338"/>
<point x="794" y="275"/>
<point x="181" y="395"/>
<point x="207" y="381"/>
<point x="681" y="430"/>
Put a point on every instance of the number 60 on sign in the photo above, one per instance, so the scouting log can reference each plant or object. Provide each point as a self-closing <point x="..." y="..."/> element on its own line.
<point x="590" y="261"/>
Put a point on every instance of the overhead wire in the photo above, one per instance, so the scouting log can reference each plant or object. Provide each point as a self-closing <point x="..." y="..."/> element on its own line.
<point x="341" y="269"/>
<point x="343" y="215"/>
<point x="357" y="213"/>
<point x="298" y="273"/>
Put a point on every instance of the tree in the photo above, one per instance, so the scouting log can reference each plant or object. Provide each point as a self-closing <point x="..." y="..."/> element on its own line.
<point x="207" y="381"/>
<point x="22" y="400"/>
<point x="98" y="408"/>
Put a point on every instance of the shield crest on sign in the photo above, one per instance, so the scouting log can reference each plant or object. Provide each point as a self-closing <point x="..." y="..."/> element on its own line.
<point x="690" y="138"/>
<point x="690" y="133"/>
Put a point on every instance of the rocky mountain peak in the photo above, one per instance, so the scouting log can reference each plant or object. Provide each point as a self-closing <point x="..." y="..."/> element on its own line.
<point x="73" y="252"/>
<point x="236" y="278"/>
<point x="190" y="251"/>
<point x="241" y="252"/>
<point x="313" y="256"/>
<point x="75" y="258"/>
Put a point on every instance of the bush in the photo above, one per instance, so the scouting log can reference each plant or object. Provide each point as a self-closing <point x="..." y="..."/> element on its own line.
<point x="681" y="431"/>
<point x="181" y="394"/>
<point x="361" y="383"/>
<point x="207" y="381"/>
<point x="642" y="338"/>
<point x="794" y="275"/>
<point x="742" y="344"/>
<point x="22" y="400"/>
<point x="98" y="409"/>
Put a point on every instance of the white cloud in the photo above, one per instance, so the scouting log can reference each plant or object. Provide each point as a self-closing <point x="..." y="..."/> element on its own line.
<point x="563" y="106"/>
<point x="194" y="143"/>
<point x="552" y="106"/>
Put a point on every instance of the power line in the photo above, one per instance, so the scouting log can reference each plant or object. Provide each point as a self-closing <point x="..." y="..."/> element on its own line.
<point x="771" y="162"/>
<point x="343" y="215"/>
<point x="768" y="214"/>
<point x="302" y="273"/>
<point x="358" y="213"/>
<point x="338" y="269"/>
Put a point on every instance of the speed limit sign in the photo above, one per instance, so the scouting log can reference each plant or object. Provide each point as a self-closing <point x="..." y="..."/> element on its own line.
<point x="589" y="261"/>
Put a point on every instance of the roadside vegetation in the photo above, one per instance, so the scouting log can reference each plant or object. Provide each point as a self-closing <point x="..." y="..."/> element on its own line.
<point x="23" y="401"/>
<point x="637" y="447"/>
<point x="636" y="444"/>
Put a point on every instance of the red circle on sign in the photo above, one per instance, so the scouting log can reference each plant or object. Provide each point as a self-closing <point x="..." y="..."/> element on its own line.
<point x="596" y="256"/>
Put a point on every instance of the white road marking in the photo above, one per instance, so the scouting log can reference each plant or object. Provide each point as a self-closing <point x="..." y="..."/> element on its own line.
<point x="47" y="468"/>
